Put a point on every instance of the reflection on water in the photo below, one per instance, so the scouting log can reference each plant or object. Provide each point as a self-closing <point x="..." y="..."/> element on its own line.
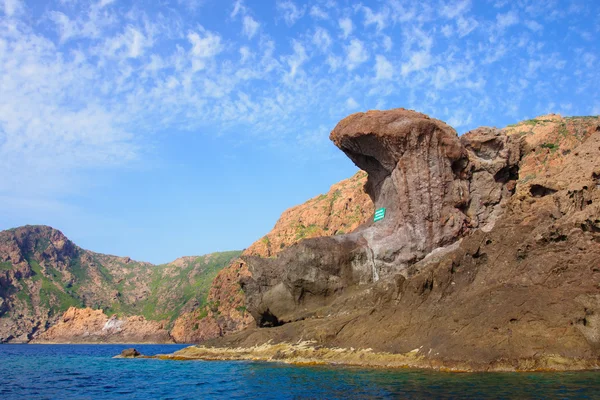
<point x="89" y="371"/>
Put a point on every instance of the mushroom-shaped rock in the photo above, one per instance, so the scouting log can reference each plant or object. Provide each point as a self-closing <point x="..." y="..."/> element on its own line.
<point x="435" y="187"/>
<point x="412" y="161"/>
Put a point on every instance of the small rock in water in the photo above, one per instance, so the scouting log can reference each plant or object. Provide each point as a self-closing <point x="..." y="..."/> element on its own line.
<point x="130" y="353"/>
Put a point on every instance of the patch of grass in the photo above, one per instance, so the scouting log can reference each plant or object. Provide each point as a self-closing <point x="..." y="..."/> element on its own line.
<point x="304" y="231"/>
<point x="169" y="294"/>
<point x="552" y="146"/>
<point x="5" y="266"/>
<point x="77" y="269"/>
<point x="41" y="245"/>
<point x="55" y="299"/>
<point x="203" y="313"/>
<point x="265" y="240"/>
<point x="241" y="309"/>
<point x="35" y="267"/>
<point x="562" y="130"/>
<point x="25" y="297"/>
<point x="336" y="195"/>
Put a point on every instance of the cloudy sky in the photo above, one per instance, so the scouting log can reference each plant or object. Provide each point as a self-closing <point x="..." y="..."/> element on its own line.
<point x="179" y="127"/>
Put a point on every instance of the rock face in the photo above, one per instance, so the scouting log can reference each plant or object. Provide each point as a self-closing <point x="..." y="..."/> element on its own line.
<point x="93" y="326"/>
<point x="42" y="274"/>
<point x="345" y="207"/>
<point x="434" y="187"/>
<point x="488" y="257"/>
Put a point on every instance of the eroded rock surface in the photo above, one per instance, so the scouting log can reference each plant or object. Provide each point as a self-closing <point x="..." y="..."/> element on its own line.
<point x="516" y="288"/>
<point x="435" y="187"/>
<point x="87" y="325"/>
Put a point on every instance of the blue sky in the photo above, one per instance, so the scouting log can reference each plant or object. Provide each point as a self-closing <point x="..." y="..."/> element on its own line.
<point x="169" y="128"/>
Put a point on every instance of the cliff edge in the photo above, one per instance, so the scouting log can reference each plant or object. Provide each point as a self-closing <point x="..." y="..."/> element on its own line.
<point x="487" y="257"/>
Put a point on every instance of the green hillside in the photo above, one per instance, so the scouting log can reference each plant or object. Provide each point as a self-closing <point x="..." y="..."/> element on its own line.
<point x="42" y="274"/>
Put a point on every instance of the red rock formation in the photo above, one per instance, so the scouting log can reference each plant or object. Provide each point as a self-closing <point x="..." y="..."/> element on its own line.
<point x="519" y="287"/>
<point x="87" y="325"/>
<point x="345" y="207"/>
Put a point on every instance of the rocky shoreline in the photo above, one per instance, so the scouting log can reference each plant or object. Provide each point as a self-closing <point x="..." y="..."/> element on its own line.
<point x="309" y="353"/>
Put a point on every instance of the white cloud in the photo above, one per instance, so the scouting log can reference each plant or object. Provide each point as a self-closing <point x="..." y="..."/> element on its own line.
<point x="464" y="26"/>
<point x="334" y="62"/>
<point x="296" y="60"/>
<point x="418" y="61"/>
<point x="346" y="26"/>
<point x="534" y="25"/>
<point x="66" y="27"/>
<point x="245" y="54"/>
<point x="204" y="48"/>
<point x="352" y="104"/>
<point x="238" y="7"/>
<point x="378" y="19"/>
<point x="104" y="3"/>
<point x="317" y="13"/>
<point x="11" y="7"/>
<point x="455" y="8"/>
<point x="291" y="12"/>
<point x="48" y="128"/>
<point x="387" y="43"/>
<point x="589" y="60"/>
<point x="131" y="43"/>
<point x="447" y="30"/>
<point x="459" y="118"/>
<point x="507" y="19"/>
<point x="383" y="68"/>
<point x="321" y="39"/>
<point x="356" y="54"/>
<point x="250" y="26"/>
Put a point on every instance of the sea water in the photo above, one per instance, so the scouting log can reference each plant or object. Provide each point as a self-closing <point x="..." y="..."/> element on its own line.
<point x="90" y="372"/>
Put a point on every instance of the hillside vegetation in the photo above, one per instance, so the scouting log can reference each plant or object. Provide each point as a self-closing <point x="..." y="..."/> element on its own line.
<point x="42" y="274"/>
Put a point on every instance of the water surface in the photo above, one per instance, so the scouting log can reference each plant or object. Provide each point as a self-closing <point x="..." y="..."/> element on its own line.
<point x="90" y="372"/>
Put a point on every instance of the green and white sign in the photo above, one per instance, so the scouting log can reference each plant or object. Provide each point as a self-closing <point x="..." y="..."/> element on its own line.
<point x="379" y="215"/>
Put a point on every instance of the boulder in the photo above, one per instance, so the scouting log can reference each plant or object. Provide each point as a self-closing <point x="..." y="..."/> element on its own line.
<point x="130" y="353"/>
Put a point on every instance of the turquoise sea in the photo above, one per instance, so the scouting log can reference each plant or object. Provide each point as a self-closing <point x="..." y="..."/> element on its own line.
<point x="90" y="372"/>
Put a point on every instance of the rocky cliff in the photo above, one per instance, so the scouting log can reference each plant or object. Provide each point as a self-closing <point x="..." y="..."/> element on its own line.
<point x="345" y="207"/>
<point x="487" y="258"/>
<point x="43" y="274"/>
<point x="87" y="325"/>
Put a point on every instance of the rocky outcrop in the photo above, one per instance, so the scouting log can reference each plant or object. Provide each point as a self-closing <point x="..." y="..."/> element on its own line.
<point x="93" y="326"/>
<point x="224" y="313"/>
<point x="345" y="207"/>
<point x="435" y="188"/>
<point x="341" y="210"/>
<point x="487" y="258"/>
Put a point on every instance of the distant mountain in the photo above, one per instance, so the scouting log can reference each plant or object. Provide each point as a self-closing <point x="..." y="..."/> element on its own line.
<point x="43" y="274"/>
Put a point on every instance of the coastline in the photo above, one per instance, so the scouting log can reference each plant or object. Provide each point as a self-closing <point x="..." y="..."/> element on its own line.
<point x="306" y="353"/>
<point x="90" y="343"/>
